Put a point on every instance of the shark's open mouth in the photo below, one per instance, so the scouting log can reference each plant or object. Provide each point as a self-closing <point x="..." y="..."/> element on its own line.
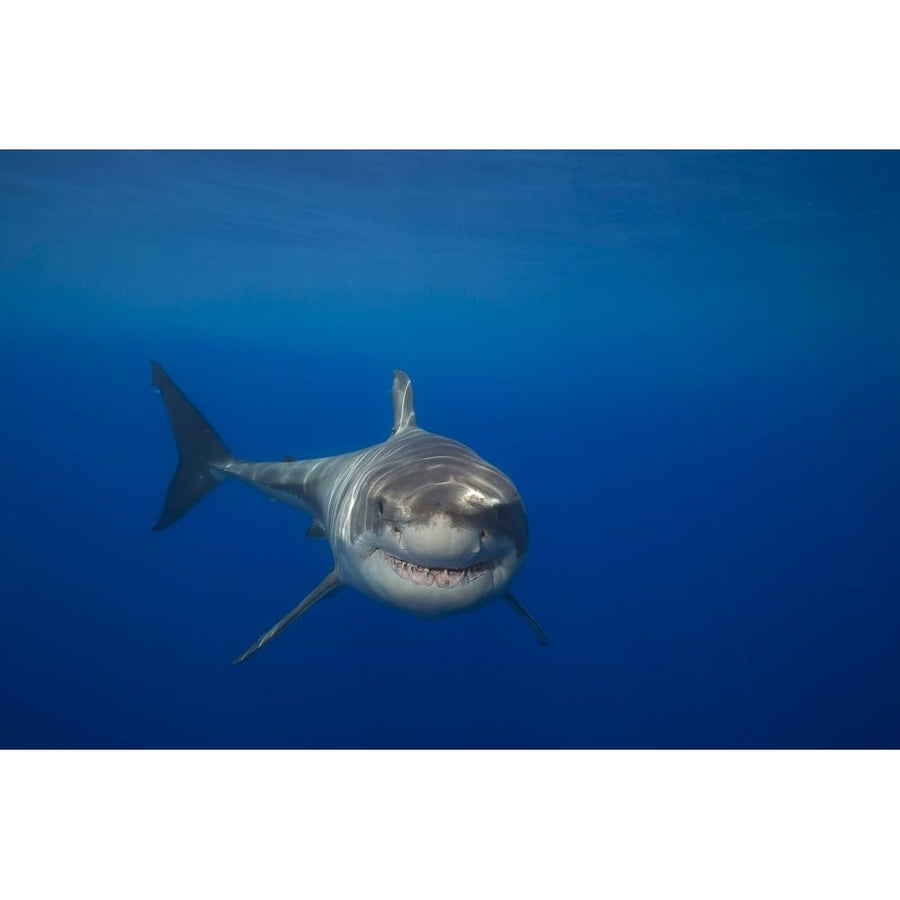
<point x="445" y="578"/>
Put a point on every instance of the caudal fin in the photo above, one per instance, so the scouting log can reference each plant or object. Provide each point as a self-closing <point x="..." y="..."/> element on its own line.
<point x="199" y="447"/>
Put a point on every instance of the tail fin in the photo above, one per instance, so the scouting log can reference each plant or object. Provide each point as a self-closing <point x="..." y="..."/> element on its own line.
<point x="198" y="448"/>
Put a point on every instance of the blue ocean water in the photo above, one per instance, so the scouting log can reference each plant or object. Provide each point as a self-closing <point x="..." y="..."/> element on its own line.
<point x="687" y="362"/>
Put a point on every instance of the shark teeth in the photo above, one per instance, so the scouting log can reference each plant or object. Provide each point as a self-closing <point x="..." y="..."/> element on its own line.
<point x="426" y="575"/>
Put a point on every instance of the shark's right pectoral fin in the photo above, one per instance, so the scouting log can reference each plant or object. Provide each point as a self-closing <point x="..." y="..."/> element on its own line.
<point x="326" y="586"/>
<point x="528" y="617"/>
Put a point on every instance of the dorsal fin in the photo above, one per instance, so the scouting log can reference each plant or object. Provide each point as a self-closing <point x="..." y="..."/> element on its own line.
<point x="404" y="411"/>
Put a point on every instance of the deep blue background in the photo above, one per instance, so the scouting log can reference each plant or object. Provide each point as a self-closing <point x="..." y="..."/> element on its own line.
<point x="687" y="362"/>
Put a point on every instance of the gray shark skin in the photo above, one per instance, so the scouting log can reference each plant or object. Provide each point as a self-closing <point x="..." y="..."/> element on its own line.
<point x="419" y="522"/>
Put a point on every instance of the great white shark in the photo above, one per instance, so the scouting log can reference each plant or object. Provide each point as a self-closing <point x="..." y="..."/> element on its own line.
<point x="419" y="521"/>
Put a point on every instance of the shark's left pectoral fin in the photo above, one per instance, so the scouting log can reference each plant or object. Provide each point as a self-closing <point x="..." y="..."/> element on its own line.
<point x="528" y="617"/>
<point x="326" y="586"/>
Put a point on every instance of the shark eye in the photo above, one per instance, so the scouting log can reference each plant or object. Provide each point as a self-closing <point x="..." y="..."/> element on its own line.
<point x="380" y="507"/>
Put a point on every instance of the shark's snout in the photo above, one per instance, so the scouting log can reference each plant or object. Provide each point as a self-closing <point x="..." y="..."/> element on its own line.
<point x="439" y="541"/>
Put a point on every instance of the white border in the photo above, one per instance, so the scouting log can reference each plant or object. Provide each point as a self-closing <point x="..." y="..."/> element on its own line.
<point x="774" y="73"/>
<point x="441" y="824"/>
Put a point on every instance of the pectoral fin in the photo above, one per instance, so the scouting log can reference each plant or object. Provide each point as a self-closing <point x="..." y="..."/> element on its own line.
<point x="528" y="617"/>
<point x="326" y="586"/>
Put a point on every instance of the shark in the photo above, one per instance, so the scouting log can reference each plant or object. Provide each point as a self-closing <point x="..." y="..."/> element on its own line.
<point x="419" y="522"/>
